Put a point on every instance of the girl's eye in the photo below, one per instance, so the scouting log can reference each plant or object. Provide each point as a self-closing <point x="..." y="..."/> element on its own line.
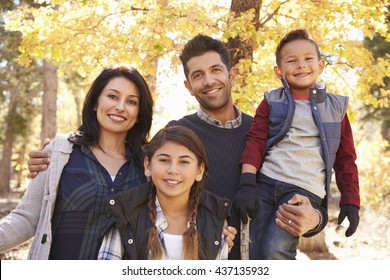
<point x="184" y="162"/>
<point x="163" y="160"/>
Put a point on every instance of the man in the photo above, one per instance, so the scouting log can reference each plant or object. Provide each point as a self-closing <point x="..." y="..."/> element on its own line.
<point x="222" y="127"/>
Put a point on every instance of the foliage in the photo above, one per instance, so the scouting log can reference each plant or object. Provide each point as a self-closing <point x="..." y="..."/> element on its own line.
<point x="374" y="172"/>
<point x="81" y="37"/>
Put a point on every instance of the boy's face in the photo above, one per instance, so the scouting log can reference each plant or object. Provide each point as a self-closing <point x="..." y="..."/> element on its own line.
<point x="300" y="64"/>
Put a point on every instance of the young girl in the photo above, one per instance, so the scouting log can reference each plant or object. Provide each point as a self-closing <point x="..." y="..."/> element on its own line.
<point x="170" y="217"/>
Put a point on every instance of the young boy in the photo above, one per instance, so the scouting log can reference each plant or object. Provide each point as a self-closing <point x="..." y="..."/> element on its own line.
<point x="300" y="132"/>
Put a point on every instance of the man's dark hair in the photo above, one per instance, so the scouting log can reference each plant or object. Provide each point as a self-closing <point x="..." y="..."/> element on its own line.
<point x="201" y="44"/>
<point x="297" y="34"/>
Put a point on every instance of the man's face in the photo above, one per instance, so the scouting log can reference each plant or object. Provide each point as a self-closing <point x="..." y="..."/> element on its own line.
<point x="210" y="82"/>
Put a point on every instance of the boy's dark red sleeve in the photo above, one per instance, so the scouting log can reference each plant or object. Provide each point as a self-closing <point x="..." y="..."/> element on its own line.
<point x="256" y="137"/>
<point x="345" y="168"/>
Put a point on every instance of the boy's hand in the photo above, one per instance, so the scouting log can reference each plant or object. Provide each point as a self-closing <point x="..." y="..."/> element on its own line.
<point x="352" y="212"/>
<point x="246" y="199"/>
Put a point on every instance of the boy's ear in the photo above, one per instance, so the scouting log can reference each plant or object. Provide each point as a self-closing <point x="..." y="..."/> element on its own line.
<point x="147" y="171"/>
<point x="321" y="64"/>
<point x="277" y="71"/>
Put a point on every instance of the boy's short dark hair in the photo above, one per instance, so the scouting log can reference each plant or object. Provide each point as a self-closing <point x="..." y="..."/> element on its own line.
<point x="297" y="34"/>
<point x="201" y="44"/>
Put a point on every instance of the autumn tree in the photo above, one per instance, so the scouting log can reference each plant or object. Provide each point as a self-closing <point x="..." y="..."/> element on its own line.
<point x="18" y="88"/>
<point x="83" y="36"/>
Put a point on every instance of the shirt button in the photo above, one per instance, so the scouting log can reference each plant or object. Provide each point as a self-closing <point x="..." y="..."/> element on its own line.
<point x="315" y="108"/>
<point x="112" y="202"/>
<point x="120" y="173"/>
<point x="216" y="242"/>
<point x="314" y="91"/>
<point x="226" y="204"/>
<point x="130" y="241"/>
<point x="112" y="189"/>
<point x="108" y="215"/>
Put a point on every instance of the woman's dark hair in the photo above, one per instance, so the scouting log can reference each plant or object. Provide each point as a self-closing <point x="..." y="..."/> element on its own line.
<point x="184" y="136"/>
<point x="89" y="131"/>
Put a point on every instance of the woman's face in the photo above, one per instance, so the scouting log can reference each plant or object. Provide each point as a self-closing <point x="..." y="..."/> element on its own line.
<point x="118" y="106"/>
<point x="174" y="169"/>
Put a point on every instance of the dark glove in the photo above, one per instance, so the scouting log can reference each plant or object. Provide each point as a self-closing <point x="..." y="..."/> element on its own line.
<point x="352" y="212"/>
<point x="245" y="201"/>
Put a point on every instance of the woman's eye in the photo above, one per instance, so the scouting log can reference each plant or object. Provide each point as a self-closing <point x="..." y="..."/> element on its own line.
<point x="132" y="102"/>
<point x="112" y="96"/>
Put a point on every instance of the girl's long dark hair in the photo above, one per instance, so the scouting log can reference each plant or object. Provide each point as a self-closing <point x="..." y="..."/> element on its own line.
<point x="137" y="136"/>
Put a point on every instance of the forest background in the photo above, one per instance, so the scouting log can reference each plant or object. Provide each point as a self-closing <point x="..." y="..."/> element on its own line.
<point x="51" y="50"/>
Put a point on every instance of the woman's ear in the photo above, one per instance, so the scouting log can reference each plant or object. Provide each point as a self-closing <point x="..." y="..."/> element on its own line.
<point x="147" y="171"/>
<point x="199" y="173"/>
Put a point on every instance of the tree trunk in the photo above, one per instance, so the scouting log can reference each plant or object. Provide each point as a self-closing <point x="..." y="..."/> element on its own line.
<point x="5" y="163"/>
<point x="313" y="244"/>
<point x="239" y="49"/>
<point x="49" y="100"/>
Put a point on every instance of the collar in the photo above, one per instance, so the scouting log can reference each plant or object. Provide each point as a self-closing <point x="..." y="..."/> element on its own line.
<point x="229" y="124"/>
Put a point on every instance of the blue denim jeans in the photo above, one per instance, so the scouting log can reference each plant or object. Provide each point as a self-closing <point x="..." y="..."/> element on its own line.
<point x="268" y="240"/>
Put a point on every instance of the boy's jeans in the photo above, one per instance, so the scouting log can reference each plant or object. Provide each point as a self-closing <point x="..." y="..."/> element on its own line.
<point x="268" y="240"/>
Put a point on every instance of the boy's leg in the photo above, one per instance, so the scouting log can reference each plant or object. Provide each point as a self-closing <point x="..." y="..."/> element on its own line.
<point x="263" y="214"/>
<point x="276" y="243"/>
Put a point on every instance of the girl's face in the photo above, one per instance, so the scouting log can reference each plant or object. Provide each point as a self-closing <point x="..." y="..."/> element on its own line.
<point x="118" y="106"/>
<point x="173" y="169"/>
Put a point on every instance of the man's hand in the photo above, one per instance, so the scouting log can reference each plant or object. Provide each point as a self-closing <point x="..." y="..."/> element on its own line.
<point x="246" y="199"/>
<point x="297" y="216"/>
<point x="38" y="161"/>
<point x="230" y="234"/>
<point x="352" y="212"/>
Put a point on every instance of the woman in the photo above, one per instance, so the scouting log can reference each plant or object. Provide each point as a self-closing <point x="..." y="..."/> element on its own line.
<point x="65" y="207"/>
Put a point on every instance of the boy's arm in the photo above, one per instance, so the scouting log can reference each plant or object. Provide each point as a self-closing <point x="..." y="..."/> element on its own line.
<point x="347" y="180"/>
<point x="256" y="137"/>
<point x="346" y="171"/>
<point x="246" y="199"/>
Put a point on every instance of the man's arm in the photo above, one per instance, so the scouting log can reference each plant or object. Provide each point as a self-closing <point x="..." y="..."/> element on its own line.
<point x="38" y="160"/>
